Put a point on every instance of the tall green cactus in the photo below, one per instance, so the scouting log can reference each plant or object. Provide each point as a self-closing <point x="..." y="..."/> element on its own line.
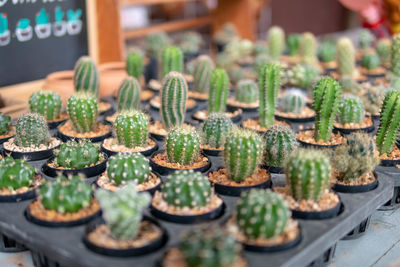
<point x="125" y="167"/>
<point x="31" y="130"/>
<point x="202" y="73"/>
<point x="215" y="129"/>
<point x="293" y="44"/>
<point x="383" y="48"/>
<point x="268" y="83"/>
<point x="15" y="173"/>
<point x="131" y="128"/>
<point x="86" y="76"/>
<point x="294" y="101"/>
<point x="82" y="111"/>
<point x="5" y="124"/>
<point x="346" y="57"/>
<point x="279" y="142"/>
<point x="77" y="154"/>
<point x="134" y="65"/>
<point x="128" y="96"/>
<point x="395" y="55"/>
<point x="172" y="60"/>
<point x="246" y="91"/>
<point x="351" y="110"/>
<point x="218" y="92"/>
<point x="183" y="145"/>
<point x="46" y="103"/>
<point x="276" y="42"/>
<point x="308" y="49"/>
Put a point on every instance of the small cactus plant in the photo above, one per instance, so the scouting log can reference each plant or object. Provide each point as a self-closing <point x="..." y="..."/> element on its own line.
<point x="15" y="173"/>
<point x="202" y="73"/>
<point x="327" y="51"/>
<point x="227" y="33"/>
<point x="5" y="124"/>
<point x="236" y="74"/>
<point x="260" y="62"/>
<point x="370" y="61"/>
<point x="82" y="111"/>
<point x="293" y="44"/>
<point x="125" y="167"/>
<point x="215" y="128"/>
<point x="260" y="48"/>
<point x="351" y="110"/>
<point x="183" y="145"/>
<point x="131" y="128"/>
<point x="218" y="92"/>
<point x="276" y="42"/>
<point x="365" y="39"/>
<point x="246" y="91"/>
<point x="279" y="142"/>
<point x="308" y="49"/>
<point x="46" y="103"/>
<point x="302" y="76"/>
<point x="383" y="47"/>
<point x="307" y="174"/>
<point x="268" y="83"/>
<point x="31" y="130"/>
<point x="128" y="96"/>
<point x="86" y="76"/>
<point x="346" y="57"/>
<point x="156" y="42"/>
<point x="77" y="154"/>
<point x="293" y="101"/>
<point x="134" y="65"/>
<point x="373" y="98"/>
<point x="172" y="60"/>
<point x="395" y="55"/>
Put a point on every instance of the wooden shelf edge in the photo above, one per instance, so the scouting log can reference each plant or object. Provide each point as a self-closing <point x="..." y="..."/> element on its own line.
<point x="150" y="2"/>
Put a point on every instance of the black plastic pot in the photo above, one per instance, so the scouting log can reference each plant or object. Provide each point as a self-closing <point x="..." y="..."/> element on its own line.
<point x="107" y="111"/>
<point x="10" y="245"/>
<point x="30" y="156"/>
<point x="309" y="145"/>
<point x="274" y="248"/>
<point x="55" y="124"/>
<point x="145" y="153"/>
<point x="158" y="137"/>
<point x="220" y="46"/>
<point x="3" y="140"/>
<point x="212" y="152"/>
<point x="232" y="108"/>
<point x="389" y="162"/>
<point x="188" y="56"/>
<point x="356" y="188"/>
<point x="96" y="139"/>
<point x="344" y="131"/>
<point x="150" y="190"/>
<point x="19" y="197"/>
<point x="317" y="215"/>
<point x="272" y="169"/>
<point x="375" y="76"/>
<point x="295" y="120"/>
<point x="359" y="231"/>
<point x="151" y="70"/>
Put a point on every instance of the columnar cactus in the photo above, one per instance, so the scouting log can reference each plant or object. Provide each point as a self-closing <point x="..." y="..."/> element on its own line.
<point x="134" y="65"/>
<point x="183" y="145"/>
<point x="346" y="57"/>
<point x="5" y="124"/>
<point x="186" y="188"/>
<point x="215" y="129"/>
<point x="395" y="55"/>
<point x="308" y="49"/>
<point x="370" y="61"/>
<point x="383" y="47"/>
<point x="279" y="142"/>
<point x="268" y="83"/>
<point x="86" y="76"/>
<point x="326" y="102"/>
<point x="202" y="73"/>
<point x="125" y="167"/>
<point x="65" y="195"/>
<point x="15" y="173"/>
<point x="293" y="44"/>
<point x="122" y="210"/>
<point x="390" y="123"/>
<point x="172" y="60"/>
<point x="243" y="151"/>
<point x="77" y="154"/>
<point x="128" y="96"/>
<point x="218" y="92"/>
<point x="294" y="101"/>
<point x="262" y="214"/>
<point x="156" y="42"/>
<point x="246" y="91"/>
<point x="365" y="39"/>
<point x="351" y="110"/>
<point x="276" y="42"/>
<point x="131" y="128"/>
<point x="46" y="103"/>
<point x="302" y="76"/>
<point x="31" y="130"/>
<point x="307" y="174"/>
<point x="82" y="111"/>
<point x="327" y="51"/>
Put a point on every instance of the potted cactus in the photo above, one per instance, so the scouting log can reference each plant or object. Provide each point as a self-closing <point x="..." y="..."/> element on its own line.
<point x="63" y="202"/>
<point x="276" y="42"/>
<point x="292" y="46"/>
<point x="155" y="43"/>
<point x="372" y="98"/>
<point x="125" y="167"/>
<point x="365" y="40"/>
<point x="302" y="76"/>
<point x="186" y="197"/>
<point x="308" y="50"/>
<point x="43" y="26"/>
<point x="383" y="48"/>
<point x="203" y="68"/>
<point x="245" y="97"/>
<point x="371" y="66"/>
<point x="190" y="43"/>
<point x="327" y="55"/>
<point x="32" y="139"/>
<point x="75" y="157"/>
<point x="292" y="107"/>
<point x="243" y="152"/>
<point x="213" y="132"/>
<point x="260" y="48"/>
<point x="6" y="130"/>
<point x="226" y="34"/>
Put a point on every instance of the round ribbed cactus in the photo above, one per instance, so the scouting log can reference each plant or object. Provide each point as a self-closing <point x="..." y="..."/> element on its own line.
<point x="370" y="61"/>
<point x="327" y="51"/>
<point x="186" y="188"/>
<point x="308" y="49"/>
<point x="183" y="145"/>
<point x="294" y="101"/>
<point x="215" y="128"/>
<point x="5" y="124"/>
<point x="276" y="42"/>
<point x="131" y="128"/>
<point x="77" y="154"/>
<point x="173" y="100"/>
<point x="351" y="110"/>
<point x="268" y="83"/>
<point x="46" y="103"/>
<point x="125" y="167"/>
<point x="279" y="142"/>
<point x="243" y="151"/>
<point x="128" y="96"/>
<point x="365" y="39"/>
<point x="293" y="44"/>
<point x="218" y="92"/>
<point x="383" y="47"/>
<point x="395" y="55"/>
<point x="236" y="74"/>
<point x="65" y="195"/>
<point x="134" y="65"/>
<point x="156" y="42"/>
<point x="302" y="76"/>
<point x="202" y="73"/>
<point x="82" y="111"/>
<point x="326" y="102"/>
<point x="246" y="91"/>
<point x="172" y="60"/>
<point x="122" y="210"/>
<point x="307" y="174"/>
<point x="346" y="57"/>
<point x="86" y="76"/>
<point x="15" y="173"/>
<point x="31" y="130"/>
<point x="262" y="214"/>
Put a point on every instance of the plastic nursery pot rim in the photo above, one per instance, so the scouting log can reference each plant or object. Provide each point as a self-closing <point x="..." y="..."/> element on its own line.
<point x="88" y="171"/>
<point x="31" y="156"/>
<point x="344" y="131"/>
<point x="234" y="119"/>
<point x="212" y="152"/>
<point x="389" y="162"/>
<point x="96" y="139"/>
<point x="145" y="153"/>
<point x="55" y="124"/>
<point x="153" y="246"/>
<point x="30" y="194"/>
<point x="158" y="137"/>
<point x="318" y="215"/>
<point x="356" y="188"/>
<point x="296" y="120"/>
<point x="272" y="169"/>
<point x="232" y="108"/>
<point x="310" y="145"/>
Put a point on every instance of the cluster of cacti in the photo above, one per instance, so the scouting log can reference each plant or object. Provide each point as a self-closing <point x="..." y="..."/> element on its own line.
<point x="372" y="98"/>
<point x="383" y="47"/>
<point x="203" y="69"/>
<point x="174" y="94"/>
<point x="395" y="55"/>
<point x="125" y="167"/>
<point x="31" y="130"/>
<point x="3" y="23"/>
<point x="365" y="39"/>
<point x="276" y="42"/>
<point x="346" y="57"/>
<point x="307" y="174"/>
<point x="156" y="42"/>
<point x="308" y="49"/>
<point x="390" y="123"/>
<point x="260" y="61"/>
<point x="327" y="51"/>
<point x="262" y="214"/>
<point x="246" y="91"/>
<point x="172" y="60"/>
<point x="355" y="158"/>
<point x="5" y="124"/>
<point x="370" y="61"/>
<point x="128" y="95"/>
<point x="279" y="142"/>
<point x="122" y="210"/>
<point x="243" y="151"/>
<point x="46" y="103"/>
<point x="183" y="145"/>
<point x="15" y="173"/>
<point x="77" y="154"/>
<point x="42" y="18"/>
<point x="86" y="76"/>
<point x="218" y="91"/>
<point x="215" y="129"/>
<point x="260" y="48"/>
<point x="134" y="65"/>
<point x="131" y="128"/>
<point x="65" y="195"/>
<point x="236" y="74"/>
<point x="82" y="111"/>
<point x="293" y="101"/>
<point x="302" y="76"/>
<point x="226" y="34"/>
<point x="351" y="110"/>
<point x="268" y="83"/>
<point x="293" y="44"/>
<point x="326" y="102"/>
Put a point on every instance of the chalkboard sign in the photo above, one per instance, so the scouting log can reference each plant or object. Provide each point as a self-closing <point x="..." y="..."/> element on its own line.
<point x="38" y="37"/>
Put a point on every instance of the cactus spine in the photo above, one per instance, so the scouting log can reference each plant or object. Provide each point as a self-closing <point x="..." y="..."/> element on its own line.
<point x="351" y="110"/>
<point x="308" y="49"/>
<point x="134" y="65"/>
<point x="268" y="83"/>
<point x="346" y="57"/>
<point x="131" y="127"/>
<point x="395" y="55"/>
<point x="293" y="101"/>
<point x="5" y="124"/>
<point x="215" y="128"/>
<point x="202" y="73"/>
<point x="31" y="130"/>
<point x="246" y="91"/>
<point x="82" y="111"/>
<point x="86" y="76"/>
<point x="276" y="42"/>
<point x="279" y="142"/>
<point x="172" y="60"/>
<point x="219" y="90"/>
<point x="128" y="96"/>
<point x="46" y="103"/>
<point x="75" y="155"/>
<point x="183" y="145"/>
<point x="383" y="48"/>
<point x="125" y="167"/>
<point x="15" y="173"/>
<point x="293" y="44"/>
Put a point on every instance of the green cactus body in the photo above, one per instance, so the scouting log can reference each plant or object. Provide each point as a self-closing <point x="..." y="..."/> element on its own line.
<point x="351" y="110"/>
<point x="260" y="62"/>
<point x="202" y="73"/>
<point x="76" y="155"/>
<point x="390" y="123"/>
<point x="302" y="76"/>
<point x="215" y="128"/>
<point x="156" y="42"/>
<point x="172" y="60"/>
<point x="134" y="65"/>
<point x="3" y="23"/>
<point x="223" y="60"/>
<point x="186" y="188"/>
<point x="246" y="91"/>
<point x="125" y="167"/>
<point x="173" y="100"/>
<point x="326" y="102"/>
<point x="131" y="128"/>
<point x="279" y="142"/>
<point x="308" y="49"/>
<point x="268" y="83"/>
<point x="365" y="39"/>
<point x="346" y="57"/>
<point x="5" y="124"/>
<point x="395" y="55"/>
<point x="383" y="48"/>
<point x="82" y="111"/>
<point x="307" y="174"/>
<point x="218" y="92"/>
<point x="236" y="74"/>
<point x="293" y="44"/>
<point x="226" y="34"/>
<point x="128" y="96"/>
<point x="370" y="61"/>
<point x="276" y="42"/>
<point x="65" y="195"/>
<point x="46" y="103"/>
<point x="243" y="151"/>
<point x="15" y="173"/>
<point x="293" y="101"/>
<point x="31" y="130"/>
<point x="86" y="76"/>
<point x="183" y="145"/>
<point x="42" y="18"/>
<point x="373" y="98"/>
<point x="122" y="210"/>
<point x="327" y="51"/>
<point x="261" y="48"/>
<point x="262" y="214"/>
